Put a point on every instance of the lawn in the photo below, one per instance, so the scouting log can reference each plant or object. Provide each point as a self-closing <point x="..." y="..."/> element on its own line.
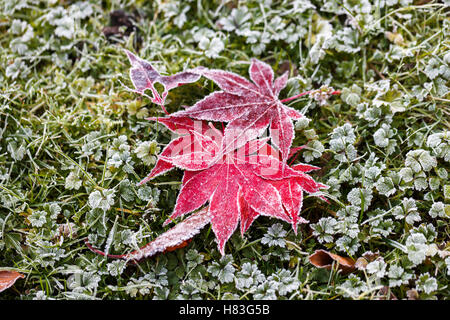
<point x="75" y="142"/>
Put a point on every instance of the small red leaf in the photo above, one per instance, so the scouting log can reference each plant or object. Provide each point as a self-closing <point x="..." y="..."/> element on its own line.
<point x="144" y="76"/>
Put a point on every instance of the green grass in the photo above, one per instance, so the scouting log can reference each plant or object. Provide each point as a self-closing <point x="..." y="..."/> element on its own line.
<point x="64" y="105"/>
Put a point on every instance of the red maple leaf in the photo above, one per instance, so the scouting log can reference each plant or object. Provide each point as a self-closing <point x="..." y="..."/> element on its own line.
<point x="239" y="185"/>
<point x="249" y="107"/>
<point x="188" y="148"/>
<point x="144" y="76"/>
<point x="240" y="176"/>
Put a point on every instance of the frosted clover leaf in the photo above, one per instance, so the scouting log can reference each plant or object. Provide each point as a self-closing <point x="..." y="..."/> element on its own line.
<point x="419" y="160"/>
<point x="428" y="230"/>
<point x="157" y="278"/>
<point x="283" y="282"/>
<point x="73" y="181"/>
<point x="115" y="268"/>
<point x="275" y="236"/>
<point x="121" y="159"/>
<point x="176" y="11"/>
<point x="342" y="140"/>
<point x="351" y="95"/>
<point x="249" y="276"/>
<point x="16" y="152"/>
<point x="120" y="144"/>
<point x="126" y="190"/>
<point x="407" y="211"/>
<point x="83" y="280"/>
<point x="434" y="68"/>
<point x="81" y="10"/>
<point x="345" y="40"/>
<point x="349" y="213"/>
<point x="212" y="47"/>
<point x="148" y="194"/>
<point x="343" y="135"/>
<point x="447" y="262"/>
<point x="237" y="21"/>
<point x="194" y="258"/>
<point x="346" y="223"/>
<point x="419" y="179"/>
<point x="102" y="200"/>
<point x="440" y="144"/>
<point x="146" y="151"/>
<point x="18" y="67"/>
<point x="314" y="150"/>
<point x="347" y="244"/>
<point x="416" y="245"/>
<point x="224" y="270"/>
<point x="382" y="138"/>
<point x="426" y="283"/>
<point x="398" y="276"/>
<point x="360" y="197"/>
<point x="377" y="268"/>
<point x="437" y="210"/>
<point x="25" y="32"/>
<point x="385" y="186"/>
<point x="38" y="218"/>
<point x="324" y="229"/>
<point x="353" y="287"/>
<point x="92" y="145"/>
<point x="265" y="291"/>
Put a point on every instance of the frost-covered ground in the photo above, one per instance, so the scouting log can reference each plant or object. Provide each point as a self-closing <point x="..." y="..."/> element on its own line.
<point x="74" y="143"/>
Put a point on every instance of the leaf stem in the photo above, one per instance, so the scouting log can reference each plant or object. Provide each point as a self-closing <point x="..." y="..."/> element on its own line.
<point x="305" y="93"/>
<point x="297" y="96"/>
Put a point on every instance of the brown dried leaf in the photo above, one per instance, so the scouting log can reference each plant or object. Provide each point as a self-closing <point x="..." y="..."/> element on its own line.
<point x="387" y="294"/>
<point x="8" y="278"/>
<point x="325" y="259"/>
<point x="361" y="263"/>
<point x="412" y="294"/>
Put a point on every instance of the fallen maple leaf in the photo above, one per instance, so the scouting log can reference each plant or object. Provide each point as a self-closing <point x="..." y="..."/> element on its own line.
<point x="240" y="186"/>
<point x="184" y="146"/>
<point x="249" y="107"/>
<point x="227" y="169"/>
<point x="325" y="259"/>
<point x="8" y="278"/>
<point x="175" y="238"/>
<point x="144" y="76"/>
